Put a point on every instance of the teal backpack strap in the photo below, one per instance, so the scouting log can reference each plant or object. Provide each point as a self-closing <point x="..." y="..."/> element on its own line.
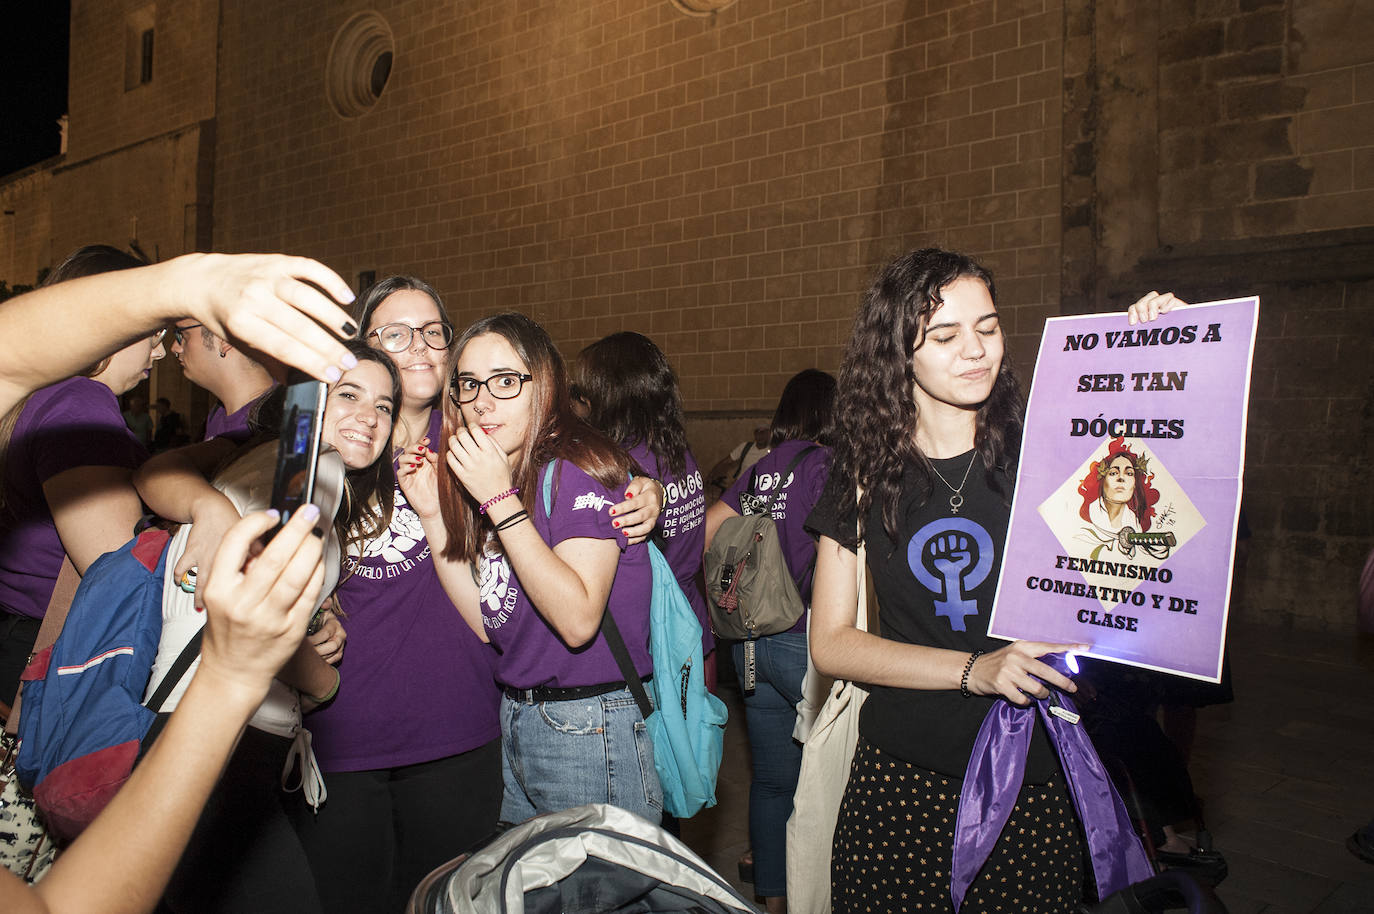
<point x="548" y="487"/>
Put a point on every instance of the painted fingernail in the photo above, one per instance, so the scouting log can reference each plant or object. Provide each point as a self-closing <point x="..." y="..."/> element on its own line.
<point x="613" y="512"/>
<point x="615" y="524"/>
<point x="200" y="609"/>
<point x="333" y="374"/>
<point x="274" y="513"/>
<point x="311" y="511"/>
<point x="627" y="495"/>
<point x="317" y="533"/>
<point x="350" y="328"/>
<point x="349" y="361"/>
<point x="626" y="532"/>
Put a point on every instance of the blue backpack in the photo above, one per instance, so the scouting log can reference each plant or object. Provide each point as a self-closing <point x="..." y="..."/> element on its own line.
<point x="83" y="721"/>
<point x="686" y="722"/>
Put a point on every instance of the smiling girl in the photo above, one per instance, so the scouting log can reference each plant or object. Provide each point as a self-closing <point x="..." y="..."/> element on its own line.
<point x="928" y="431"/>
<point x="244" y="855"/>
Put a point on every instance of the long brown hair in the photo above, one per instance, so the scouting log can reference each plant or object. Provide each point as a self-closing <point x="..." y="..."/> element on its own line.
<point x="555" y="431"/>
<point x="369" y="492"/>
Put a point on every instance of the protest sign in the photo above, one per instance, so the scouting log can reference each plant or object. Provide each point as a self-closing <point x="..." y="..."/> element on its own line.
<point x="1123" y="524"/>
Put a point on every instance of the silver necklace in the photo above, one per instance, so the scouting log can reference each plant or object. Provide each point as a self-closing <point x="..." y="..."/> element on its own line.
<point x="956" y="501"/>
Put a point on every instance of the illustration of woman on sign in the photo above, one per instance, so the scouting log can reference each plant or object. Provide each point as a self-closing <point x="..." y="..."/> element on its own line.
<point x="1118" y="500"/>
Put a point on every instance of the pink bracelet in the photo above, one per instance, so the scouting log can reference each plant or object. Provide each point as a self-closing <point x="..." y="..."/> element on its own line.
<point x="482" y="509"/>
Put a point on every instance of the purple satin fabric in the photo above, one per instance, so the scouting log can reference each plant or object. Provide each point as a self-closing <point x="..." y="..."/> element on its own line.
<point x="996" y="768"/>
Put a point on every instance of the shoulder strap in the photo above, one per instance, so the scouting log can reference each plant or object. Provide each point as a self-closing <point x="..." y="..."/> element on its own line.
<point x="548" y="487"/>
<point x="611" y="632"/>
<point x="782" y="480"/>
<point x="174" y="675"/>
<point x="54" y="617"/>
<point x="744" y="452"/>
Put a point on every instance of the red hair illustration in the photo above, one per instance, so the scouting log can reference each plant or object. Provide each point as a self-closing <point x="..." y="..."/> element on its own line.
<point x="1121" y="462"/>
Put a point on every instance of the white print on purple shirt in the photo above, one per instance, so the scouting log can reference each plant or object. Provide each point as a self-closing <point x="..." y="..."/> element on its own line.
<point x="398" y="538"/>
<point x="497" y="590"/>
<point x="591" y="500"/>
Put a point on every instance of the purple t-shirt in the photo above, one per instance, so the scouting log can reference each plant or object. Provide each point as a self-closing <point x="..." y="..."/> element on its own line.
<point x="73" y="423"/>
<point x="683" y="528"/>
<point x="232" y="426"/>
<point x="415" y="683"/>
<point x="800" y="492"/>
<point x="532" y="655"/>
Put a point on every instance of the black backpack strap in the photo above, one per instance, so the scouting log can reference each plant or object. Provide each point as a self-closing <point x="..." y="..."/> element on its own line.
<point x="616" y="643"/>
<point x="782" y="480"/>
<point x="175" y="673"/>
<point x="739" y="467"/>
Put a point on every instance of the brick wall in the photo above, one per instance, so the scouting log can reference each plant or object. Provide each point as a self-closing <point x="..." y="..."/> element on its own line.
<point x="25" y="237"/>
<point x="725" y="185"/>
<point x="105" y="115"/>
<point x="1266" y="113"/>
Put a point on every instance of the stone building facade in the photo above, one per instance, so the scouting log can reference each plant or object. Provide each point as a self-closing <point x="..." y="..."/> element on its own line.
<point x="727" y="183"/>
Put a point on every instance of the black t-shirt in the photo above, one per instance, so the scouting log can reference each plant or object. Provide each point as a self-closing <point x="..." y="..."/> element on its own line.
<point x="935" y="587"/>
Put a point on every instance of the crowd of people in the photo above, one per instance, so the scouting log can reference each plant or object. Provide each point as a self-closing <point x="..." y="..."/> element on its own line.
<point x="432" y="664"/>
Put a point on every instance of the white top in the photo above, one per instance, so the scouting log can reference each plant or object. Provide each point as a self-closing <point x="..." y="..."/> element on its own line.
<point x="248" y="484"/>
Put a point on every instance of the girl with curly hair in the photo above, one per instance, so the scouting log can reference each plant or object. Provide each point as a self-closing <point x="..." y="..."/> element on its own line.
<point x="928" y="426"/>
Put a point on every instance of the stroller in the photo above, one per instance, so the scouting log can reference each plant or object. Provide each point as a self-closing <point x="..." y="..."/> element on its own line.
<point x="594" y="858"/>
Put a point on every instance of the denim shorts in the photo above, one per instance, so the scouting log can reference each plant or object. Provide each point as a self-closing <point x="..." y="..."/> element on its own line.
<point x="560" y="754"/>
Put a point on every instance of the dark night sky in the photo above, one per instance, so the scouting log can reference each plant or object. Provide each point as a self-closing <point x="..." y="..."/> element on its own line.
<point x="33" y="82"/>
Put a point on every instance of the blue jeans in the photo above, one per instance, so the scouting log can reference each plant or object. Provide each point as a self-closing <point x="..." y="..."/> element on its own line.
<point x="560" y="754"/>
<point x="770" y="713"/>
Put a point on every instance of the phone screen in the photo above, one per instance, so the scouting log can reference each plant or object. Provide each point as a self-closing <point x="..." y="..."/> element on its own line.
<point x="298" y="446"/>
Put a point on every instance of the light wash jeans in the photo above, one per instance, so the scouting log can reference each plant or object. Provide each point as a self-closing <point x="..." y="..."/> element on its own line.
<point x="770" y="713"/>
<point x="560" y="754"/>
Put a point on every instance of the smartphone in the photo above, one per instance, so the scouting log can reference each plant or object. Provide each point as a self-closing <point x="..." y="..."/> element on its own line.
<point x="298" y="446"/>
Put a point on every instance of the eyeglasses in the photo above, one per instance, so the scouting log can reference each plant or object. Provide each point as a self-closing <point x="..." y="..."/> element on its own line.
<point x="156" y="338"/>
<point x="179" y="332"/>
<point x="504" y="385"/>
<point x="398" y="337"/>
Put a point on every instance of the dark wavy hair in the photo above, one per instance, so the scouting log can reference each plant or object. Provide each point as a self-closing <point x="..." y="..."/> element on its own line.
<point x="369" y="492"/>
<point x="633" y="396"/>
<point x="805" y="409"/>
<point x="876" y="414"/>
<point x="555" y="432"/>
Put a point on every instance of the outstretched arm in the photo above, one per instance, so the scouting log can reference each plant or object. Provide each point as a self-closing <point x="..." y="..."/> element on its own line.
<point x="258" y="612"/>
<point x="267" y="301"/>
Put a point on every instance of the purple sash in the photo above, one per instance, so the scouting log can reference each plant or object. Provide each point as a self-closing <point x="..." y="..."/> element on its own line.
<point x="993" y="780"/>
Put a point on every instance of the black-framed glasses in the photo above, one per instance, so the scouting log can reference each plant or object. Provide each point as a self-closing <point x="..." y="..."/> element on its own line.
<point x="504" y="385"/>
<point x="179" y="333"/>
<point x="398" y="337"/>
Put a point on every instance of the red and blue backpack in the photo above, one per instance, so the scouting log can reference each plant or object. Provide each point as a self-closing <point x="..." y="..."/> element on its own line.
<point x="83" y="720"/>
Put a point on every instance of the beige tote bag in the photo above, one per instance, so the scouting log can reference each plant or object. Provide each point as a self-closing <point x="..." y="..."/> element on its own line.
<point x="827" y="752"/>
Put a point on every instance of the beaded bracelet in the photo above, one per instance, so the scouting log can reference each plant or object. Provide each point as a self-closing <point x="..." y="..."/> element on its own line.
<point x="511" y="521"/>
<point x="482" y="508"/>
<point x="968" y="668"/>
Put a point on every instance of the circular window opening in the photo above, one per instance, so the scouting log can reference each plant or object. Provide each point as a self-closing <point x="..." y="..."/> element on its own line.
<point x="359" y="64"/>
